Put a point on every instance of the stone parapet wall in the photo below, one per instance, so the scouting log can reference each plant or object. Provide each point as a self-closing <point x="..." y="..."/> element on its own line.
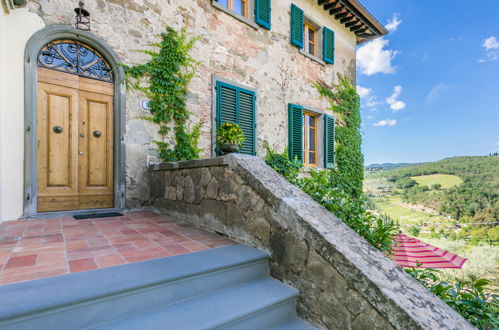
<point x="344" y="282"/>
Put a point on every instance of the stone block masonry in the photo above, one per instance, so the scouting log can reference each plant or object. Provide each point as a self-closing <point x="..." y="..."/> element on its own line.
<point x="344" y="282"/>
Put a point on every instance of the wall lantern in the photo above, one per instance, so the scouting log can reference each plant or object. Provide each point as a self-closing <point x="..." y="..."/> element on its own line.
<point x="82" y="17"/>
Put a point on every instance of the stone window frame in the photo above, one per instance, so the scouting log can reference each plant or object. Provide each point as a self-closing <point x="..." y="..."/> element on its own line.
<point x="320" y="40"/>
<point x="250" y="20"/>
<point x="214" y="79"/>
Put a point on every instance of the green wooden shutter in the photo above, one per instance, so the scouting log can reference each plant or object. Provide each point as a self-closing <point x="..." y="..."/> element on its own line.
<point x="295" y="132"/>
<point x="328" y="45"/>
<point x="262" y="13"/>
<point x="329" y="123"/>
<point x="247" y="120"/>
<point x="297" y="23"/>
<point x="237" y="105"/>
<point x="226" y="104"/>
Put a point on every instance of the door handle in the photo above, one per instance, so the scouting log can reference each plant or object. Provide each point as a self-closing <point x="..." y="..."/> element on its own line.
<point x="58" y="129"/>
<point x="97" y="134"/>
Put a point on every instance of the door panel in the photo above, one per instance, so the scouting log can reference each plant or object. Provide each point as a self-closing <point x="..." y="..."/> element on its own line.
<point x="96" y="164"/>
<point x="57" y="140"/>
<point x="75" y="142"/>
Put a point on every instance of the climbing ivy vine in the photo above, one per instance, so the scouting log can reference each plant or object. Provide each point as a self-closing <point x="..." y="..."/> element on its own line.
<point x="345" y="102"/>
<point x="165" y="80"/>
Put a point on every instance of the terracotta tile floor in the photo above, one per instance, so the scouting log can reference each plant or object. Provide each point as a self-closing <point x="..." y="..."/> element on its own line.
<point x="32" y="249"/>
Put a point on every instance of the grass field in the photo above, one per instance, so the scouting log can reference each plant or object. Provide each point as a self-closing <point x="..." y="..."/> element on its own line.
<point x="392" y="206"/>
<point x="446" y="180"/>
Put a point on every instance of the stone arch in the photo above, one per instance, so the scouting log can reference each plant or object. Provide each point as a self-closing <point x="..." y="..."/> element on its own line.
<point x="34" y="45"/>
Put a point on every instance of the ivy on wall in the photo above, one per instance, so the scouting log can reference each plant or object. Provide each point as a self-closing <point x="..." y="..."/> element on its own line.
<point x="345" y="102"/>
<point x="165" y="80"/>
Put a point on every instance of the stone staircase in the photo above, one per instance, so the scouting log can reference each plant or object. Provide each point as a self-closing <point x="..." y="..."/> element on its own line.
<point x="223" y="288"/>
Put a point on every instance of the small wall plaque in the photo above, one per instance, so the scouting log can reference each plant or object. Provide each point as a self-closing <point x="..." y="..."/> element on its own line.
<point x="145" y="105"/>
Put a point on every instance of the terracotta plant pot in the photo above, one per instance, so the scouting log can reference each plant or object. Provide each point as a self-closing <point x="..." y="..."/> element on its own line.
<point x="227" y="148"/>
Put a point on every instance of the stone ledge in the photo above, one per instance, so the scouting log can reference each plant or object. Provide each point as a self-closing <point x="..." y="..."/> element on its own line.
<point x="344" y="282"/>
<point x="186" y="164"/>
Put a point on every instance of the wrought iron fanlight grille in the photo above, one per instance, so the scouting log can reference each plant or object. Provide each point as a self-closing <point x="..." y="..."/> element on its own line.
<point x="75" y="58"/>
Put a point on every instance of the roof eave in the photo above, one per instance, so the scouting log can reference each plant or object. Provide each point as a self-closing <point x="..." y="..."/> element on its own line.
<point x="356" y="18"/>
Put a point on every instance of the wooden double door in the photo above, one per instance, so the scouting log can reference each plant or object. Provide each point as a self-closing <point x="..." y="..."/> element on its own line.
<point x="75" y="142"/>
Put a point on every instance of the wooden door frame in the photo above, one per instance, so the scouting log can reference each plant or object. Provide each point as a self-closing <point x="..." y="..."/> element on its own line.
<point x="35" y="43"/>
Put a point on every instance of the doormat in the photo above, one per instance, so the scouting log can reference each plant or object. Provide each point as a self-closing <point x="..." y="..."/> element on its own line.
<point x="97" y="215"/>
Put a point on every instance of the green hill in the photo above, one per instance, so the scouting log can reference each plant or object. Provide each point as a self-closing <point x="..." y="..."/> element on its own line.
<point x="468" y="191"/>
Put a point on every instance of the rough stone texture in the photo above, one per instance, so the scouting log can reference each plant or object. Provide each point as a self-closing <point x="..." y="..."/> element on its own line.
<point x="344" y="282"/>
<point x="257" y="58"/>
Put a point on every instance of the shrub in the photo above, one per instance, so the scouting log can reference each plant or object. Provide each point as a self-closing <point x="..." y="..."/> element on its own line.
<point x="352" y="211"/>
<point x="466" y="297"/>
<point x="414" y="231"/>
<point x="281" y="163"/>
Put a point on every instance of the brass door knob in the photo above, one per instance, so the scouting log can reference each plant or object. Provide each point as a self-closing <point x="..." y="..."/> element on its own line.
<point x="58" y="129"/>
<point x="97" y="134"/>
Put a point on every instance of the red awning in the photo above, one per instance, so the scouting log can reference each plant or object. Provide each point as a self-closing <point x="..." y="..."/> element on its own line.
<point x="409" y="251"/>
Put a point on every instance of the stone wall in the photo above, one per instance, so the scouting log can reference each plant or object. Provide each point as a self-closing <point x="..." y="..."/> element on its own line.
<point x="344" y="282"/>
<point x="228" y="48"/>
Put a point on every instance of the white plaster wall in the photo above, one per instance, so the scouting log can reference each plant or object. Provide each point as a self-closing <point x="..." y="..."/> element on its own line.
<point x="15" y="30"/>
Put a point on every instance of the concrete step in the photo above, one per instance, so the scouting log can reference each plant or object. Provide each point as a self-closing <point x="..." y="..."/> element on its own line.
<point x="81" y="300"/>
<point x="257" y="304"/>
<point x="227" y="288"/>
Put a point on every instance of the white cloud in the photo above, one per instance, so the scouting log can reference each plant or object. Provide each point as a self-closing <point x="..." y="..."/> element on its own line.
<point x="372" y="101"/>
<point x="363" y="91"/>
<point x="371" y="117"/>
<point x="393" y="101"/>
<point x="497" y="143"/>
<point x="393" y="23"/>
<point x="491" y="46"/>
<point x="374" y="57"/>
<point x="436" y="91"/>
<point x="386" y="122"/>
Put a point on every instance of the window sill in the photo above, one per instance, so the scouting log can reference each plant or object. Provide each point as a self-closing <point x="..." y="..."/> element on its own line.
<point x="312" y="57"/>
<point x="235" y="15"/>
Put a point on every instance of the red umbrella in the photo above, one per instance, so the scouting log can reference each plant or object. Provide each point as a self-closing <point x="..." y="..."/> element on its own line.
<point x="409" y="252"/>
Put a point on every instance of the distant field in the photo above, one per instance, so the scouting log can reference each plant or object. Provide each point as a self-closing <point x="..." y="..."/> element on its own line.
<point x="393" y="207"/>
<point x="446" y="180"/>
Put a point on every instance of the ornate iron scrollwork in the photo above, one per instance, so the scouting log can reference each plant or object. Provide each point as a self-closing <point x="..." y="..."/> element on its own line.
<point x="75" y="58"/>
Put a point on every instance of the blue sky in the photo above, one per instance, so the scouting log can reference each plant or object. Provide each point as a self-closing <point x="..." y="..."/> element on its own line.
<point x="430" y="89"/>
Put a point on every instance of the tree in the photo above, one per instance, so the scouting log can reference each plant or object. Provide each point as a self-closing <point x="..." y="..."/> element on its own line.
<point x="436" y="186"/>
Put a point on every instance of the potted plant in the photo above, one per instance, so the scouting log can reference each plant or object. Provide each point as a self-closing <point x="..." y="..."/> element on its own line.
<point x="230" y="137"/>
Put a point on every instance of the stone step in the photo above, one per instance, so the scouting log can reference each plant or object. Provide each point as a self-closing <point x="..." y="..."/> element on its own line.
<point x="258" y="304"/>
<point x="85" y="299"/>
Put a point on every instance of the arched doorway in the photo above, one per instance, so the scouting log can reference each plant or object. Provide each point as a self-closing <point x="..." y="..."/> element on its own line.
<point x="74" y="128"/>
<point x="75" y="124"/>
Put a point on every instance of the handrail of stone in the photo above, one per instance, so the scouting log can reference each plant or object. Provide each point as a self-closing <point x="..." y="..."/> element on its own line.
<point x="344" y="282"/>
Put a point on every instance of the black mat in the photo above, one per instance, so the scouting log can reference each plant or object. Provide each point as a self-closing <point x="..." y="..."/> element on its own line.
<point x="97" y="215"/>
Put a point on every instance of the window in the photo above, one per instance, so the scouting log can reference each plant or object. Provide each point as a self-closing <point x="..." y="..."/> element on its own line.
<point x="239" y="6"/>
<point x="310" y="139"/>
<point x="248" y="11"/>
<point x="311" y="39"/>
<point x="237" y="105"/>
<point x="307" y="36"/>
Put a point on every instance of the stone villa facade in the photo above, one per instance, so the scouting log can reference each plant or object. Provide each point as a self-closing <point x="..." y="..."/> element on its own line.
<point x="254" y="50"/>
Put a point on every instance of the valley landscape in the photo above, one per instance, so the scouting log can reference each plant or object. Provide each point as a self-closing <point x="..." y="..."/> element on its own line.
<point x="452" y="203"/>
